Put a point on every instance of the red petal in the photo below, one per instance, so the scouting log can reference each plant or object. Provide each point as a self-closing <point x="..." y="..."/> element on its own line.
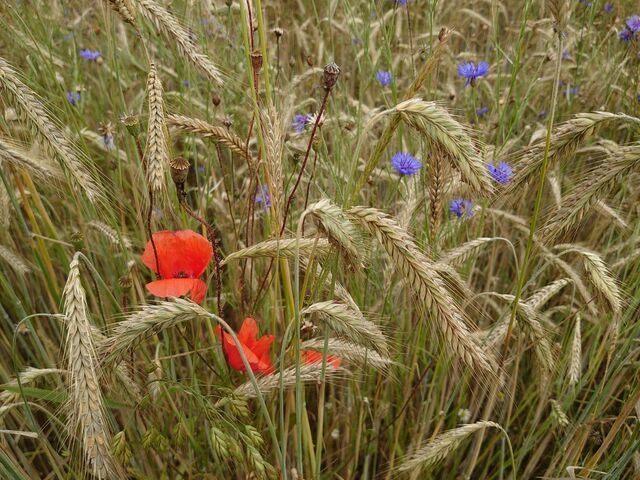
<point x="198" y="291"/>
<point x="248" y="332"/>
<point x="263" y="345"/>
<point x="312" y="356"/>
<point x="183" y="252"/>
<point x="233" y="354"/>
<point x="196" y="252"/>
<point x="177" y="287"/>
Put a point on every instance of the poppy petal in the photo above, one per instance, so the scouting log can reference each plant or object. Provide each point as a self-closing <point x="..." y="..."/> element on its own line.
<point x="183" y="253"/>
<point x="198" y="291"/>
<point x="196" y="252"/>
<point x="177" y="287"/>
<point x="248" y="332"/>
<point x="311" y="357"/>
<point x="166" y="248"/>
<point x="263" y="345"/>
<point x="233" y="354"/>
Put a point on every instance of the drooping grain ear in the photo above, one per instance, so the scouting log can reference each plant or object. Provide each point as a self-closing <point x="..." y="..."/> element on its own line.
<point x="151" y="319"/>
<point x="308" y="373"/>
<point x="439" y="127"/>
<point x="205" y="130"/>
<point x="589" y="192"/>
<point x="48" y="133"/>
<point x="564" y="141"/>
<point x="125" y="9"/>
<point x="350" y="352"/>
<point x="284" y="248"/>
<point x="173" y="32"/>
<point x="350" y="324"/>
<point x="598" y="274"/>
<point x="429" y="289"/>
<point x="18" y="157"/>
<point x="438" y="448"/>
<point x="342" y="233"/>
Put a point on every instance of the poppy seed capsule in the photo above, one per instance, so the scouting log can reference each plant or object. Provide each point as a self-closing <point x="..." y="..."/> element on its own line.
<point x="132" y="124"/>
<point x="331" y="74"/>
<point x="215" y="99"/>
<point x="179" y="170"/>
<point x="256" y="60"/>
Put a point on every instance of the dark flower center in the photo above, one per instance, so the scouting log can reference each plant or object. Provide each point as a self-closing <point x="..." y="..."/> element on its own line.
<point x="180" y="275"/>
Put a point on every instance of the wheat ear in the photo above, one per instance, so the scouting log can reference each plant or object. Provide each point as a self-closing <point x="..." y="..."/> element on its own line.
<point x="157" y="152"/>
<point x="14" y="260"/>
<point x="350" y="324"/>
<point x="151" y="319"/>
<point x="575" y="359"/>
<point x="309" y="373"/>
<point x="28" y="103"/>
<point x="86" y="410"/>
<point x="19" y="158"/>
<point x="338" y="228"/>
<point x="564" y="141"/>
<point x="169" y="27"/>
<point x="203" y="129"/>
<point x="350" y="352"/>
<point x="599" y="274"/>
<point x="589" y="192"/>
<point x="452" y="139"/>
<point x="125" y="9"/>
<point x="437" y="449"/>
<point x="429" y="288"/>
<point x="285" y="248"/>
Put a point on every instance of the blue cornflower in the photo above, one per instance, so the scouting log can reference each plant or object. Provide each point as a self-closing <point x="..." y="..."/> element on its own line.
<point x="73" y="97"/>
<point x="384" y="77"/>
<point x="633" y="22"/>
<point x="401" y="2"/>
<point x="107" y="140"/>
<point x="92" y="55"/>
<point x="608" y="7"/>
<point x="572" y="91"/>
<point x="501" y="173"/>
<point x="482" y="111"/>
<point x="263" y="197"/>
<point x="470" y="72"/>
<point x="625" y="35"/>
<point x="586" y="3"/>
<point x="461" y="208"/>
<point x="185" y="83"/>
<point x="299" y="122"/>
<point x="405" y="164"/>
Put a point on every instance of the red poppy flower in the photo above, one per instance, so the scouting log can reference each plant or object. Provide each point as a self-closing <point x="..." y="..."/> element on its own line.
<point x="312" y="356"/>
<point x="183" y="256"/>
<point x="255" y="349"/>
